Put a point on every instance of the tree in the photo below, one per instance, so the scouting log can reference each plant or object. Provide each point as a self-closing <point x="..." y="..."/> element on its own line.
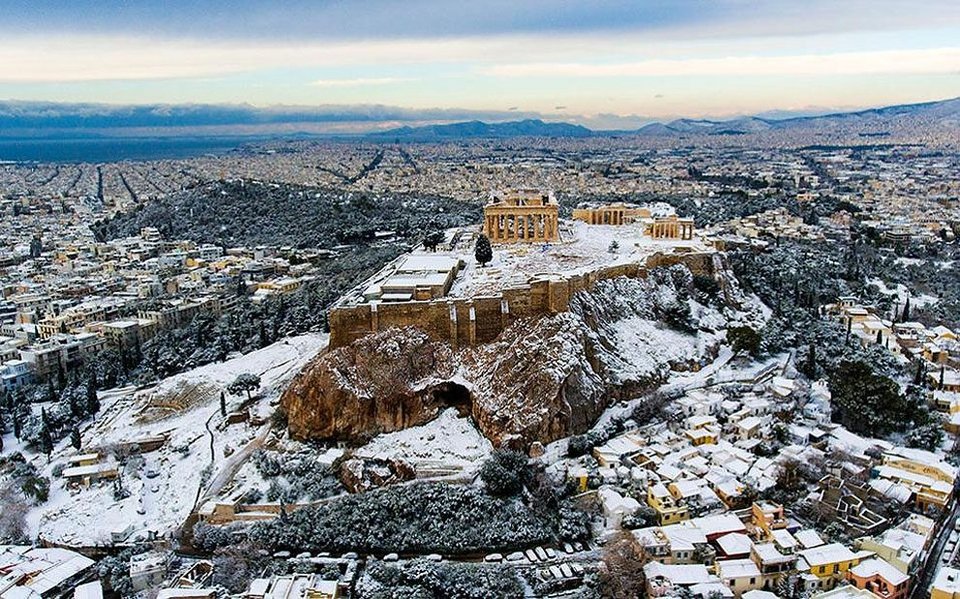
<point x="927" y="436"/>
<point x="244" y="383"/>
<point x="866" y="402"/>
<point x="75" y="438"/>
<point x="744" y="339"/>
<point x="45" y="438"/>
<point x="483" y="252"/>
<point x="223" y="404"/>
<point x="432" y="240"/>
<point x="918" y="378"/>
<point x="906" y="309"/>
<point x="93" y="400"/>
<point x="36" y="247"/>
<point x="879" y="337"/>
<point x="613" y="247"/>
<point x="505" y="472"/>
<point x="809" y="367"/>
<point x="621" y="568"/>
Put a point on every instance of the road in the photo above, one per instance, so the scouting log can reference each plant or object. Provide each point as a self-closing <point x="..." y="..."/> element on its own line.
<point x="925" y="576"/>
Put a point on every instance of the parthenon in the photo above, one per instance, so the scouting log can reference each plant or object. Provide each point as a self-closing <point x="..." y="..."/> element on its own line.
<point x="672" y="227"/>
<point x="610" y="214"/>
<point x="521" y="216"/>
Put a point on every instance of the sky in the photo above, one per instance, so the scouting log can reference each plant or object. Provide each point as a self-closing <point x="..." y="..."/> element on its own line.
<point x="589" y="61"/>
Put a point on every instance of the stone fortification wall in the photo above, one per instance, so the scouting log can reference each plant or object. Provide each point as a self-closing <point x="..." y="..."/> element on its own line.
<point x="469" y="321"/>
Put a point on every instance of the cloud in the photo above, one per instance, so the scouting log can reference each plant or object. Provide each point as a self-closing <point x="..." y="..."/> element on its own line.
<point x="361" y="81"/>
<point x="311" y="21"/>
<point x="925" y="61"/>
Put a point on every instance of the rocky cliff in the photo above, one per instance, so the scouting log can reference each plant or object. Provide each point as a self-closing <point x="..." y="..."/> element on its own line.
<point x="541" y="379"/>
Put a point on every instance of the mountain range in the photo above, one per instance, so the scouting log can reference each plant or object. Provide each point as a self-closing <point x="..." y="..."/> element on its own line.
<point x="873" y="121"/>
<point x="49" y="121"/>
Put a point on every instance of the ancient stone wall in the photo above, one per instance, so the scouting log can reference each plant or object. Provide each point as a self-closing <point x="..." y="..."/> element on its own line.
<point x="468" y="321"/>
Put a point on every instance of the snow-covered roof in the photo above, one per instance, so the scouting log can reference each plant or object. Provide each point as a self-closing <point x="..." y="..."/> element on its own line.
<point x="830" y="554"/>
<point x="878" y="567"/>
<point x="735" y="543"/>
<point x="808" y="538"/>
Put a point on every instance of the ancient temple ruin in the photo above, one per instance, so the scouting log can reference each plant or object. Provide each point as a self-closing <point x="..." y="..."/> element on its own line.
<point x="521" y="216"/>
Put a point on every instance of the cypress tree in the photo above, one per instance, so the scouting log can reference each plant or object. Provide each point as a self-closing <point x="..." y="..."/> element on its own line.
<point x="810" y="367"/>
<point x="483" y="252"/>
<point x="918" y="377"/>
<point x="46" y="440"/>
<point x="223" y="405"/>
<point x="75" y="438"/>
<point x="906" y="310"/>
<point x="93" y="400"/>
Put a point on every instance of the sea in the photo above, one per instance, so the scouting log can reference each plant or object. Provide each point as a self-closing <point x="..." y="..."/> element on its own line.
<point x="104" y="149"/>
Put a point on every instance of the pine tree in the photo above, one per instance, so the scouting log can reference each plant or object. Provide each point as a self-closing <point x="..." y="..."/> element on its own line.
<point x="483" y="252"/>
<point x="75" y="438"/>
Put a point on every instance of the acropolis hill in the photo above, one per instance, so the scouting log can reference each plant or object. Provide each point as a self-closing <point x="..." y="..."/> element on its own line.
<point x="534" y="345"/>
<point x="454" y="299"/>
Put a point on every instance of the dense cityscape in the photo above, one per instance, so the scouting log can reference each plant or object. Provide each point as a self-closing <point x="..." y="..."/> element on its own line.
<point x="433" y="300"/>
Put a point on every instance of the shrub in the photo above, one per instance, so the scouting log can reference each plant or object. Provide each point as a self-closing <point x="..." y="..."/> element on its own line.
<point x="505" y="472"/>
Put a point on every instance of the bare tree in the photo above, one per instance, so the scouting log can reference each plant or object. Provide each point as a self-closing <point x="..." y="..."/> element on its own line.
<point x="621" y="568"/>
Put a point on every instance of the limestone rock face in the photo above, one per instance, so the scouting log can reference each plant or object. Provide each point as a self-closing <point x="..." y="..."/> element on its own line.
<point x="536" y="382"/>
<point x="542" y="379"/>
<point x="379" y="384"/>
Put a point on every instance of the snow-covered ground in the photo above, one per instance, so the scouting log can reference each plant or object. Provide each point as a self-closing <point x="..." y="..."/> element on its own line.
<point x="647" y="346"/>
<point x="447" y="441"/>
<point x="901" y="292"/>
<point x="186" y="409"/>
<point x="582" y="248"/>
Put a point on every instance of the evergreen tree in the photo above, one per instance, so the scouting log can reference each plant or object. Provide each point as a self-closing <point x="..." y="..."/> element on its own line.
<point x="918" y="377"/>
<point x="61" y="377"/>
<point x="16" y="426"/>
<point x="93" y="400"/>
<point x="879" y="337"/>
<point x="906" y="310"/>
<point x="75" y="438"/>
<point x="36" y="247"/>
<point x="483" y="252"/>
<point x="244" y="383"/>
<point x="810" y="364"/>
<point x="942" y="369"/>
<point x="223" y="404"/>
<point x="46" y="439"/>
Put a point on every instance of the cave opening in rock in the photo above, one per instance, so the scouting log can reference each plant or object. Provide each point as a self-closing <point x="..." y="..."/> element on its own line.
<point x="454" y="395"/>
